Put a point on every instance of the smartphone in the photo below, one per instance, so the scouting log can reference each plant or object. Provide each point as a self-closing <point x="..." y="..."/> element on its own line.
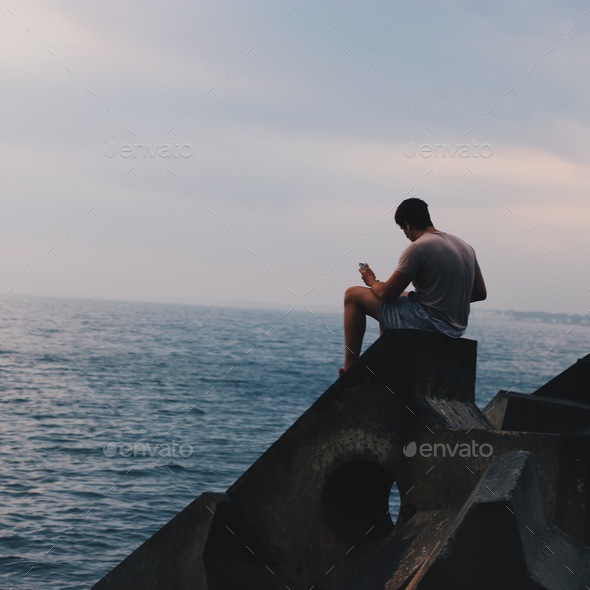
<point x="362" y="266"/>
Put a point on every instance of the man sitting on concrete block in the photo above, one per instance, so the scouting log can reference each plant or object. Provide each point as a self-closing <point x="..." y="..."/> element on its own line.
<point x="443" y="270"/>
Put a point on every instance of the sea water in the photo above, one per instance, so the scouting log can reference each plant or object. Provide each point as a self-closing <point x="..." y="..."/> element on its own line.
<point x="116" y="415"/>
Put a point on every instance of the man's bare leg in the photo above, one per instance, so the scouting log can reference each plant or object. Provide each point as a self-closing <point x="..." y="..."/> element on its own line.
<point x="359" y="302"/>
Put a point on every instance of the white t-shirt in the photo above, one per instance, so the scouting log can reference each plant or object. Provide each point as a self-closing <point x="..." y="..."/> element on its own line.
<point x="442" y="269"/>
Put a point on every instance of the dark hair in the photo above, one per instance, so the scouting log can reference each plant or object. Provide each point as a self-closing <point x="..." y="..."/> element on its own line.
<point x="415" y="212"/>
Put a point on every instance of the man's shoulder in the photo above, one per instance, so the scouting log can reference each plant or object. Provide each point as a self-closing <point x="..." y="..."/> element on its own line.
<point x="459" y="241"/>
<point x="435" y="238"/>
<point x="442" y="244"/>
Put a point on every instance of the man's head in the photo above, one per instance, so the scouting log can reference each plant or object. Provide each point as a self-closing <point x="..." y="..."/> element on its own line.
<point x="413" y="212"/>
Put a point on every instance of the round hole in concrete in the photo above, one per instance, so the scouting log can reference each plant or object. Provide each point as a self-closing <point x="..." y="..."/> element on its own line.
<point x="356" y="501"/>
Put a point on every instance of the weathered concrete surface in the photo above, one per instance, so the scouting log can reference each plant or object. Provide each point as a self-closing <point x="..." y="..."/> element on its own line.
<point x="396" y="563"/>
<point x="207" y="546"/>
<point x="500" y="539"/>
<point x="173" y="556"/>
<point x="534" y="413"/>
<point x="369" y="416"/>
<point x="324" y="508"/>
<point x="318" y="498"/>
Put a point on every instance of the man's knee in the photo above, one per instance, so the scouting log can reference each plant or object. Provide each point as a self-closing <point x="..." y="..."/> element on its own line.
<point x="353" y="294"/>
<point x="363" y="299"/>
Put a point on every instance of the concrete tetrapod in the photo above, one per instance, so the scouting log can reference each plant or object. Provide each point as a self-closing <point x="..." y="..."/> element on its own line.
<point x="562" y="405"/>
<point x="206" y="546"/>
<point x="501" y="539"/>
<point x="317" y="501"/>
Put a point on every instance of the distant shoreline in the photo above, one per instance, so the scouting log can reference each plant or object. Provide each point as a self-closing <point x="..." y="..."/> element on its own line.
<point x="538" y="316"/>
<point x="525" y="316"/>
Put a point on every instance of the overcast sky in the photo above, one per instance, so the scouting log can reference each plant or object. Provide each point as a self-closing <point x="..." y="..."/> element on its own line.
<point x="240" y="152"/>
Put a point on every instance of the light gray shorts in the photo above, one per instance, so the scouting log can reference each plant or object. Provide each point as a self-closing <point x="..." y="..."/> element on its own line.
<point x="407" y="313"/>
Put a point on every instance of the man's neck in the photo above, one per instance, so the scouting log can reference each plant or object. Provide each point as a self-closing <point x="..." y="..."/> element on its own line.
<point x="418" y="233"/>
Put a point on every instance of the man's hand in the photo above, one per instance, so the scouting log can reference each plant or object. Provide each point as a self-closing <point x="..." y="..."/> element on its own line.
<point x="368" y="276"/>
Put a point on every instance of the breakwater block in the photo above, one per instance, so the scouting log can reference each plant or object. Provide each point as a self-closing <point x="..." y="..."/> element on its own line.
<point x="500" y="539"/>
<point x="399" y="433"/>
<point x="319" y="495"/>
<point x="562" y="405"/>
<point x="206" y="546"/>
<point x="511" y="410"/>
<point x="573" y="384"/>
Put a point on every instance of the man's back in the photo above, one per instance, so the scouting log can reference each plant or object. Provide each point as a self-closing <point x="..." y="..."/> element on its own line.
<point x="445" y="274"/>
<point x="442" y="269"/>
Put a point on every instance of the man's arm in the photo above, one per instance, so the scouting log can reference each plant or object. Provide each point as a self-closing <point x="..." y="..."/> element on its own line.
<point x="479" y="292"/>
<point x="389" y="290"/>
